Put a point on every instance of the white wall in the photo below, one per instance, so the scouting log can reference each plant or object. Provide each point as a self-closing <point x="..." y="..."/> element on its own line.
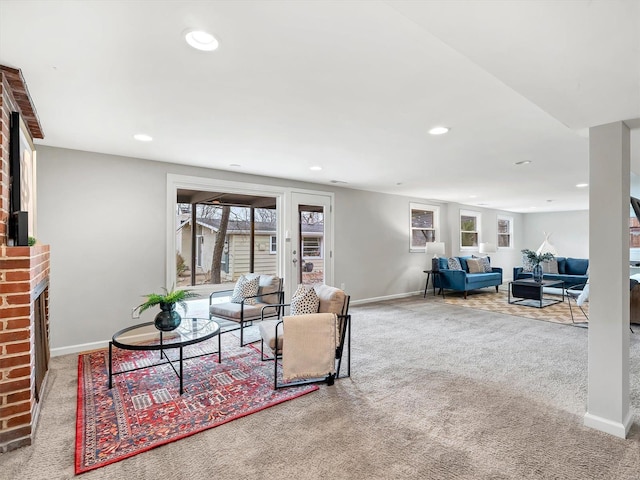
<point x="569" y="232"/>
<point x="503" y="258"/>
<point x="105" y="219"/>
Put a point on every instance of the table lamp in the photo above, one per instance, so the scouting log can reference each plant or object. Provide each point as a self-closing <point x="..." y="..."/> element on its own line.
<point x="437" y="248"/>
<point x="487" y="248"/>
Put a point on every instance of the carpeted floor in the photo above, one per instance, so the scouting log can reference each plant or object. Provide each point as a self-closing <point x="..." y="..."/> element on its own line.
<point x="437" y="392"/>
<point x="492" y="301"/>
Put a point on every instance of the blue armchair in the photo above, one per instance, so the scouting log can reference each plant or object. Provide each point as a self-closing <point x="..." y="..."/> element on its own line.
<point x="462" y="280"/>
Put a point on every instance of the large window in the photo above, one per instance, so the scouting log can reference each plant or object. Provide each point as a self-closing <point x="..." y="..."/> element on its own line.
<point x="424" y="226"/>
<point x="505" y="232"/>
<point x="225" y="241"/>
<point x="469" y="229"/>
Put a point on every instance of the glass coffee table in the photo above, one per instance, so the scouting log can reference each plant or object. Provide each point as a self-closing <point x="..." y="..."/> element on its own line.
<point x="145" y="336"/>
<point x="530" y="293"/>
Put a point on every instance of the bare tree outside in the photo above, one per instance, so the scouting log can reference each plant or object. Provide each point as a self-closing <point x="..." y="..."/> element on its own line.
<point x="218" y="249"/>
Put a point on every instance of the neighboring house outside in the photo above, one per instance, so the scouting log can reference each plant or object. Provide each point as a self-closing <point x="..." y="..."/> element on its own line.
<point x="235" y="259"/>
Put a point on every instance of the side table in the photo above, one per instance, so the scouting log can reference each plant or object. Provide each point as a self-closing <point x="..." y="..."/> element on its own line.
<point x="433" y="282"/>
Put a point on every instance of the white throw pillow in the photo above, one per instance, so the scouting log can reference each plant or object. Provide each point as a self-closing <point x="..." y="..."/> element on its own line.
<point x="304" y="301"/>
<point x="245" y="287"/>
<point x="584" y="296"/>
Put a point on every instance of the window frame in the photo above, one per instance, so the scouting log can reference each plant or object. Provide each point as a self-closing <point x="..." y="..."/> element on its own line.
<point x="273" y="244"/>
<point x="320" y="247"/>
<point x="477" y="231"/>
<point x="423" y="207"/>
<point x="498" y="234"/>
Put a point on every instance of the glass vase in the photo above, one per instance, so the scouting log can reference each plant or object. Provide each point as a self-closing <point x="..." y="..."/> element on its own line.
<point x="167" y="319"/>
<point x="537" y="273"/>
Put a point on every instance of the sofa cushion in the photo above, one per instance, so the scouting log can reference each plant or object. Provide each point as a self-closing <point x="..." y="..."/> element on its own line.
<point x="562" y="262"/>
<point x="332" y="299"/>
<point x="576" y="266"/>
<point x="232" y="311"/>
<point x="245" y="287"/>
<point x="304" y="301"/>
<point x="493" y="278"/>
<point x="475" y="265"/>
<point x="454" y="264"/>
<point x="268" y="333"/>
<point x="550" y="266"/>
<point x="486" y="263"/>
<point x="463" y="263"/>
<point x="443" y="263"/>
<point x="268" y="284"/>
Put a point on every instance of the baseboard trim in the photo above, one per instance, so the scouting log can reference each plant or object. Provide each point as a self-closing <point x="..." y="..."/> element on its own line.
<point x="87" y="347"/>
<point x="616" y="429"/>
<point x="83" y="347"/>
<point x="386" y="297"/>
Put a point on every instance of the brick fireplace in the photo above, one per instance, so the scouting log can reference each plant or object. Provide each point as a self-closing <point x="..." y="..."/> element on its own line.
<point x="24" y="290"/>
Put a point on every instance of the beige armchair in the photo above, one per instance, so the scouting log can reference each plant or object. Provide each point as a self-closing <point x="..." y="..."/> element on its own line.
<point x="310" y="345"/>
<point x="268" y="304"/>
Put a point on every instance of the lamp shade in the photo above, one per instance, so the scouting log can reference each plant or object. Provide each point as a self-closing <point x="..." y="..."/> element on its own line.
<point x="487" y="248"/>
<point x="437" y="248"/>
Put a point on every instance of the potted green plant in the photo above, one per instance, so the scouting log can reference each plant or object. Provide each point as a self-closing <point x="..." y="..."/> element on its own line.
<point x="536" y="259"/>
<point x="167" y="319"/>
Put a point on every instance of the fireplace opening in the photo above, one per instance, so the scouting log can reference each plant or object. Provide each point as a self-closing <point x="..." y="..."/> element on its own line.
<point x="41" y="337"/>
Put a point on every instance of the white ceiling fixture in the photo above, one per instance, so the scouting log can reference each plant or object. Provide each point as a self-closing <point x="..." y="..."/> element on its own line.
<point x="315" y="168"/>
<point x="523" y="162"/>
<point x="201" y="40"/>
<point x="143" y="137"/>
<point x="438" y="130"/>
<point x="582" y="185"/>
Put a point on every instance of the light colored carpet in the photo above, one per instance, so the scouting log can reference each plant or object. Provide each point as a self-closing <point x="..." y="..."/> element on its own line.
<point x="437" y="392"/>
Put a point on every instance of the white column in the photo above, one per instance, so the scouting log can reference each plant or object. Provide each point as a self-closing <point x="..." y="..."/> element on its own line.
<point x="609" y="185"/>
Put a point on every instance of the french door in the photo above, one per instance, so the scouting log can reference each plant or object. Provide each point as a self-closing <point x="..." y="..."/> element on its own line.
<point x="310" y="243"/>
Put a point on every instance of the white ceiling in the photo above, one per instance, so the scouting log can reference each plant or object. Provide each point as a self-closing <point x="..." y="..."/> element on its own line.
<point x="352" y="86"/>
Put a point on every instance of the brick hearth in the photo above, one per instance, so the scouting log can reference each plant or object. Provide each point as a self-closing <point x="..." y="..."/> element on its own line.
<point x="24" y="274"/>
<point x="24" y="280"/>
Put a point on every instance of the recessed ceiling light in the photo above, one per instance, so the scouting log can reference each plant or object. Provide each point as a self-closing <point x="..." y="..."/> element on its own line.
<point x="582" y="185"/>
<point x="235" y="165"/>
<point x="336" y="181"/>
<point x="201" y="40"/>
<point x="143" y="137"/>
<point x="438" y="130"/>
<point x="473" y="196"/>
<point x="398" y="183"/>
<point x="523" y="162"/>
<point x="316" y="168"/>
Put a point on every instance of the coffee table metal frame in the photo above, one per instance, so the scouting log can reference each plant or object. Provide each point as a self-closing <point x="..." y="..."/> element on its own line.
<point x="186" y="331"/>
<point x="529" y="289"/>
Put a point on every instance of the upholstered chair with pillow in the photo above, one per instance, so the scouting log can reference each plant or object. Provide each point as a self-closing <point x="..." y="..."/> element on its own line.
<point x="254" y="297"/>
<point x="311" y="339"/>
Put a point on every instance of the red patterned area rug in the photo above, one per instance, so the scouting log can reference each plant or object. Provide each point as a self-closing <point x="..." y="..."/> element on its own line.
<point x="144" y="409"/>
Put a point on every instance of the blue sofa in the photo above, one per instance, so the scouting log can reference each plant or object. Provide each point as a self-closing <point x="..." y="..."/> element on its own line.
<point x="572" y="271"/>
<point x="462" y="280"/>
